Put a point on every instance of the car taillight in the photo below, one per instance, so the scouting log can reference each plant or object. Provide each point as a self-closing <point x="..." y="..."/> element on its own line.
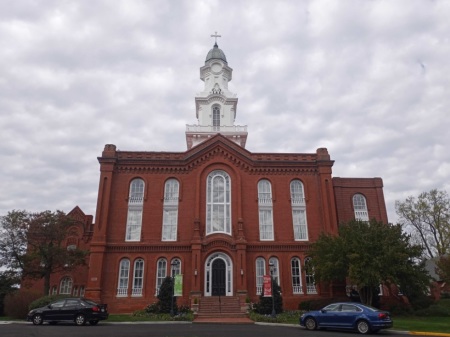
<point x="383" y="315"/>
<point x="96" y="309"/>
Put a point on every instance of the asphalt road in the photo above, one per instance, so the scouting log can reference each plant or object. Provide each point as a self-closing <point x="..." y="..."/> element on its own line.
<point x="104" y="329"/>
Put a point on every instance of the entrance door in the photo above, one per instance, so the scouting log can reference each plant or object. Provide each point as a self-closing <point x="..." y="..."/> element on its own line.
<point x="218" y="278"/>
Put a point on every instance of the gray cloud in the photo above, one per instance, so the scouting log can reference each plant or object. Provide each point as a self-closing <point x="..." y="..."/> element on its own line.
<point x="366" y="79"/>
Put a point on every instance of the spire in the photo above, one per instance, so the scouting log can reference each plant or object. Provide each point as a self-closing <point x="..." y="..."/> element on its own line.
<point x="215" y="106"/>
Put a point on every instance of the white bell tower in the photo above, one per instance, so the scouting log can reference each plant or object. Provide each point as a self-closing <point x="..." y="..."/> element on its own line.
<point x="215" y="105"/>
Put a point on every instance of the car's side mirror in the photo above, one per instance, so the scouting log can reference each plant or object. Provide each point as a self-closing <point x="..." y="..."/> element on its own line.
<point x="323" y="311"/>
<point x="49" y="306"/>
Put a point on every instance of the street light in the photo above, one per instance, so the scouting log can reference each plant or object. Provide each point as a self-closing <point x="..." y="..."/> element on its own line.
<point x="272" y="268"/>
<point x="174" y="265"/>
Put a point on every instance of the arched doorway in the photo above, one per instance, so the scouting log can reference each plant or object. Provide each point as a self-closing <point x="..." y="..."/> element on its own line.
<point x="218" y="270"/>
<point x="218" y="275"/>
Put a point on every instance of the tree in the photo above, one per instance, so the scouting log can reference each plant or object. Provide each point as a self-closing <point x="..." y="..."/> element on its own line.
<point x="165" y="296"/>
<point x="427" y="218"/>
<point x="9" y="282"/>
<point x="368" y="254"/>
<point x="34" y="245"/>
<point x="443" y="268"/>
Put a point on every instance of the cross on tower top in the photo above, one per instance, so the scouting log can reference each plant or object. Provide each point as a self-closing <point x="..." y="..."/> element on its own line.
<point x="216" y="36"/>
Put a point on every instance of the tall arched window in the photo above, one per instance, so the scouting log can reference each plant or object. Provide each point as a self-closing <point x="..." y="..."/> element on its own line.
<point x="265" y="210"/>
<point x="122" y="284"/>
<point x="216" y="118"/>
<point x="218" y="203"/>
<point x="275" y="272"/>
<point x="175" y="267"/>
<point x="161" y="273"/>
<point x="82" y="291"/>
<point x="296" y="276"/>
<point x="135" y="205"/>
<point x="65" y="287"/>
<point x="170" y="210"/>
<point x="298" y="211"/>
<point x="138" y="277"/>
<point x="310" y="280"/>
<point x="360" y="207"/>
<point x="260" y="272"/>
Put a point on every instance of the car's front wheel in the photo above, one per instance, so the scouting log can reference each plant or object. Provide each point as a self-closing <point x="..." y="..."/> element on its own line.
<point x="37" y="319"/>
<point x="80" y="319"/>
<point x="310" y="323"/>
<point x="93" y="322"/>
<point x="363" y="327"/>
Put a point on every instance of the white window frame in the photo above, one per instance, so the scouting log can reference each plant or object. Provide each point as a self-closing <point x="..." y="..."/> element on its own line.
<point x="296" y="273"/>
<point x="298" y="205"/>
<point x="275" y="269"/>
<point x="124" y="274"/>
<point x="218" y="203"/>
<point x="170" y="210"/>
<point x="216" y="117"/>
<point x="65" y="286"/>
<point x="265" y="210"/>
<point x="135" y="207"/>
<point x="260" y="265"/>
<point x="161" y="273"/>
<point x="360" y="207"/>
<point x="175" y="267"/>
<point x="138" y="278"/>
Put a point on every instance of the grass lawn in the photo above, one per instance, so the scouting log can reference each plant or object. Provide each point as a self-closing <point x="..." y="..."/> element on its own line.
<point x="430" y="324"/>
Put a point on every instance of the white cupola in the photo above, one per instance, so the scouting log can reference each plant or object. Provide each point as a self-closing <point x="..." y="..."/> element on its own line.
<point x="215" y="105"/>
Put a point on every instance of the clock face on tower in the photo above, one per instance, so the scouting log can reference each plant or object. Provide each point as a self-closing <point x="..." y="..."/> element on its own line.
<point x="216" y="68"/>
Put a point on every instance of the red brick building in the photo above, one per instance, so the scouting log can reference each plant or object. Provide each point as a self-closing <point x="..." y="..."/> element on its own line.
<point x="217" y="214"/>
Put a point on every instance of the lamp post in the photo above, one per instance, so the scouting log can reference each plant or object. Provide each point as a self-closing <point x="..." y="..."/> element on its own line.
<point x="272" y="267"/>
<point x="174" y="264"/>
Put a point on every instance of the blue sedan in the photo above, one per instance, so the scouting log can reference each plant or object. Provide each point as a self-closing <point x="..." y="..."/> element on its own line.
<point x="355" y="316"/>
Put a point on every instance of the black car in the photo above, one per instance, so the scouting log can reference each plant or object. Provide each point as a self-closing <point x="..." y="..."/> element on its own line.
<point x="78" y="310"/>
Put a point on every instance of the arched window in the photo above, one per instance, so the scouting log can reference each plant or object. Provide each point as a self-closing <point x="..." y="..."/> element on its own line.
<point x="122" y="284"/>
<point x="275" y="272"/>
<point x="218" y="203"/>
<point x="296" y="276"/>
<point x="82" y="291"/>
<point x="161" y="273"/>
<point x="175" y="267"/>
<point x="65" y="287"/>
<point x="265" y="210"/>
<point x="216" y="118"/>
<point x="135" y="205"/>
<point x="310" y="280"/>
<point x="298" y="211"/>
<point x="360" y="207"/>
<point x="170" y="210"/>
<point x="138" y="278"/>
<point x="260" y="272"/>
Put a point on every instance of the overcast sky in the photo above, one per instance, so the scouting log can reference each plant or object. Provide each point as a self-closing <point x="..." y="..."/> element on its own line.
<point x="369" y="80"/>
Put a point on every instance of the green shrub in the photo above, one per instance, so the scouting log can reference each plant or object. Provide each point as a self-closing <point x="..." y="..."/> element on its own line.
<point x="17" y="303"/>
<point x="152" y="308"/>
<point x="43" y="301"/>
<point x="435" y="310"/>
<point x="445" y="296"/>
<point x="421" y="302"/>
<point x="399" y="309"/>
<point x="165" y="296"/>
<point x="265" y="305"/>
